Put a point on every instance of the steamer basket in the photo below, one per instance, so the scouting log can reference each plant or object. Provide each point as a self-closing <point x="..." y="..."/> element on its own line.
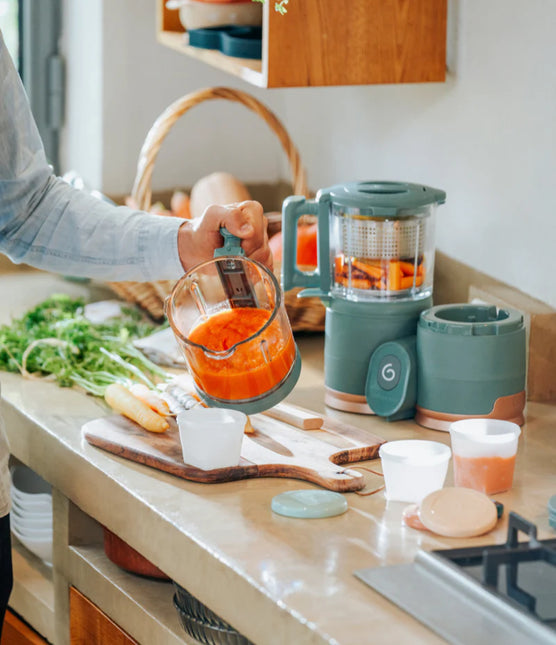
<point x="306" y="314"/>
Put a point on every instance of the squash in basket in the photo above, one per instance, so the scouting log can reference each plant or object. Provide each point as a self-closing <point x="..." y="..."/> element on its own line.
<point x="217" y="188"/>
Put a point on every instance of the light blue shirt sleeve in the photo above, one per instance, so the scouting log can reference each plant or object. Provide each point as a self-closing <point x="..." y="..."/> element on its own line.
<point x="46" y="223"/>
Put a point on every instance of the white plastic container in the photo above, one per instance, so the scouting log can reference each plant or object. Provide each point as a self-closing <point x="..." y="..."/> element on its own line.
<point x="484" y="454"/>
<point x="211" y="437"/>
<point x="413" y="468"/>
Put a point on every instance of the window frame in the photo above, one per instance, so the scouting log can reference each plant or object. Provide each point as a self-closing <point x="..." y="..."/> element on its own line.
<point x="42" y="70"/>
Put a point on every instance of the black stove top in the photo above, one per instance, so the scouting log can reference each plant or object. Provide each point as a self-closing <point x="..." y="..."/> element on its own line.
<point x="521" y="573"/>
<point x="492" y="595"/>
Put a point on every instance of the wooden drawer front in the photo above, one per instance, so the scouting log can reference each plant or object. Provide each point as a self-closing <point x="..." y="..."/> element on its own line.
<point x="16" y="632"/>
<point x="90" y="626"/>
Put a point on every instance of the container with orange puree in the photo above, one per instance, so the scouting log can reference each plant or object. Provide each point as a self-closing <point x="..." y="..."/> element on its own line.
<point x="253" y="355"/>
<point x="229" y="318"/>
<point x="484" y="453"/>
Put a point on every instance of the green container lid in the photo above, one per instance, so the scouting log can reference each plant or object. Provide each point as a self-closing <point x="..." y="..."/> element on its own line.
<point x="471" y="320"/>
<point x="384" y="198"/>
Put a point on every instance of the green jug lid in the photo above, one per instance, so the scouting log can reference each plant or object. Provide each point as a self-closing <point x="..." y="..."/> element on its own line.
<point x="384" y="198"/>
<point x="471" y="320"/>
<point x="309" y="504"/>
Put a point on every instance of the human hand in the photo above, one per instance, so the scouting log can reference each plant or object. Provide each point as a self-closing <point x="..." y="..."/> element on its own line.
<point x="198" y="238"/>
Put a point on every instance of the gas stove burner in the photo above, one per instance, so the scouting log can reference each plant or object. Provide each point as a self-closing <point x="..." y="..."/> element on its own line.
<point x="524" y="572"/>
<point x="494" y="595"/>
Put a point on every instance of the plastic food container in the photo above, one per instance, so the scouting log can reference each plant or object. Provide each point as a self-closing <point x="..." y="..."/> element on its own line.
<point x="239" y="349"/>
<point x="484" y="454"/>
<point x="413" y="468"/>
<point x="211" y="437"/>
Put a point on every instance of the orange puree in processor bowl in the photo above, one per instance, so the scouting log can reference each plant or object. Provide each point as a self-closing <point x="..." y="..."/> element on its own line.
<point x="245" y="374"/>
<point x="489" y="475"/>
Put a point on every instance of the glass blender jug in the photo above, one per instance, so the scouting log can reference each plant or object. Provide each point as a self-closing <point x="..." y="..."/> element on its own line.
<point x="374" y="274"/>
<point x="230" y="322"/>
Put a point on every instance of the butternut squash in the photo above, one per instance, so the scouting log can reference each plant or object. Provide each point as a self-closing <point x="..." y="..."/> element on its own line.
<point x="217" y="188"/>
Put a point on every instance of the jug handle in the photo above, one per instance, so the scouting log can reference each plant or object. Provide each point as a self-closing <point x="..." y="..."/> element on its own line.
<point x="232" y="244"/>
<point x="293" y="208"/>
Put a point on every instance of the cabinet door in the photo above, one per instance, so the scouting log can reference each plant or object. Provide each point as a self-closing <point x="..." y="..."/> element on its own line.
<point x="16" y="632"/>
<point x="90" y="626"/>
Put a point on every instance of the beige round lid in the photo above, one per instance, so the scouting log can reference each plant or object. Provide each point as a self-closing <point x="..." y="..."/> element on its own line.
<point x="458" y="512"/>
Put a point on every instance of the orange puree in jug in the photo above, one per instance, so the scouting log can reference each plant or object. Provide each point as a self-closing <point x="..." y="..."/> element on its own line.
<point x="488" y="475"/>
<point x="246" y="373"/>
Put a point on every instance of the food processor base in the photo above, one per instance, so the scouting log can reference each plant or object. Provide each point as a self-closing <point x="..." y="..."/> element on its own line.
<point x="356" y="403"/>
<point x="507" y="408"/>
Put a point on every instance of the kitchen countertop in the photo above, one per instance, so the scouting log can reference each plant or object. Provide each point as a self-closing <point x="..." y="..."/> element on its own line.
<point x="277" y="580"/>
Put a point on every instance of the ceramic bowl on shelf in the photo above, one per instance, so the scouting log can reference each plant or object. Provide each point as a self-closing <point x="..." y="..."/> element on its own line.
<point x="30" y="521"/>
<point x="28" y="485"/>
<point x="39" y="545"/>
<point x="198" y="15"/>
<point x="37" y="508"/>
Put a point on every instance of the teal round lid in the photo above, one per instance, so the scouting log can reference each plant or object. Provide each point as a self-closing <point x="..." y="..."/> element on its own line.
<point x="309" y="504"/>
<point x="384" y="198"/>
<point x="471" y="320"/>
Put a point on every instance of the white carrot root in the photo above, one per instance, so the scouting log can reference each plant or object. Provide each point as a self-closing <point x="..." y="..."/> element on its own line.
<point x="151" y="398"/>
<point x="123" y="401"/>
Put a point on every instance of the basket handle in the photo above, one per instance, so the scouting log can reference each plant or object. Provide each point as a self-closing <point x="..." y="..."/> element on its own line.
<point x="142" y="192"/>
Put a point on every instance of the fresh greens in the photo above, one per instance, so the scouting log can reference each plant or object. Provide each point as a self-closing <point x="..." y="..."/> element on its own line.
<point x="56" y="341"/>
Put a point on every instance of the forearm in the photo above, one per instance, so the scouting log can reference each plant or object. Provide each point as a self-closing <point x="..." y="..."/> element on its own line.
<point x="71" y="232"/>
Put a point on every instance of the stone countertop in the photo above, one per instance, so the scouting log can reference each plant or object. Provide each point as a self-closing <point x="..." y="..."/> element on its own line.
<point x="277" y="580"/>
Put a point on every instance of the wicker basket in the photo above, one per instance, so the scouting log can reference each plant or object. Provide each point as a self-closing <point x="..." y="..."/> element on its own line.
<point x="306" y="314"/>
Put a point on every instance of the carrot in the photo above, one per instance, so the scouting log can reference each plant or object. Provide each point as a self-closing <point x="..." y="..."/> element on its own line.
<point x="394" y="276"/>
<point x="123" y="401"/>
<point x="369" y="269"/>
<point x="151" y="398"/>
<point x="354" y="283"/>
<point x="407" y="281"/>
<point x="339" y="264"/>
<point x="408" y="268"/>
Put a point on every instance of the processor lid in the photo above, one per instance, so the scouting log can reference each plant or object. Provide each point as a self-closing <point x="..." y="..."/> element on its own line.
<point x="471" y="320"/>
<point x="383" y="198"/>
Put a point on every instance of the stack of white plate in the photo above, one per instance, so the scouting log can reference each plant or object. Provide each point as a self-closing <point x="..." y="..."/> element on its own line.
<point x="31" y="514"/>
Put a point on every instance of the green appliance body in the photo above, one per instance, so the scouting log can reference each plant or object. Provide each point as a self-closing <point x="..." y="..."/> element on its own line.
<point x="374" y="274"/>
<point x="471" y="361"/>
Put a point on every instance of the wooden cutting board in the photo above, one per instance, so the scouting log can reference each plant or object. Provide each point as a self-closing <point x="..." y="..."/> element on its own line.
<point x="275" y="449"/>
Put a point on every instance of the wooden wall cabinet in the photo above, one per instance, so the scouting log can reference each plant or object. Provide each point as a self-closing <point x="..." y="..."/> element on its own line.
<point x="334" y="42"/>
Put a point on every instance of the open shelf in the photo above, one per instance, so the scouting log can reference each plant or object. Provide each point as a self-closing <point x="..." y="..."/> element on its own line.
<point x="143" y="607"/>
<point x="247" y="69"/>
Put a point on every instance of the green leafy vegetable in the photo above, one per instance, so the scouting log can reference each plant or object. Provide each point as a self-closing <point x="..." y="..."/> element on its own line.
<point x="55" y="340"/>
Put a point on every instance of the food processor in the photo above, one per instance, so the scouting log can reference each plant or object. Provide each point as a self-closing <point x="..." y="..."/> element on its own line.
<point x="374" y="274"/>
<point x="229" y="319"/>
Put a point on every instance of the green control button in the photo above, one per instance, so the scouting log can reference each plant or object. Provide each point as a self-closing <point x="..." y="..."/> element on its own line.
<point x="389" y="370"/>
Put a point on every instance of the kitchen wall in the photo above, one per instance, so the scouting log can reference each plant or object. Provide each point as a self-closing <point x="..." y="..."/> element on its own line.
<point x="487" y="136"/>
